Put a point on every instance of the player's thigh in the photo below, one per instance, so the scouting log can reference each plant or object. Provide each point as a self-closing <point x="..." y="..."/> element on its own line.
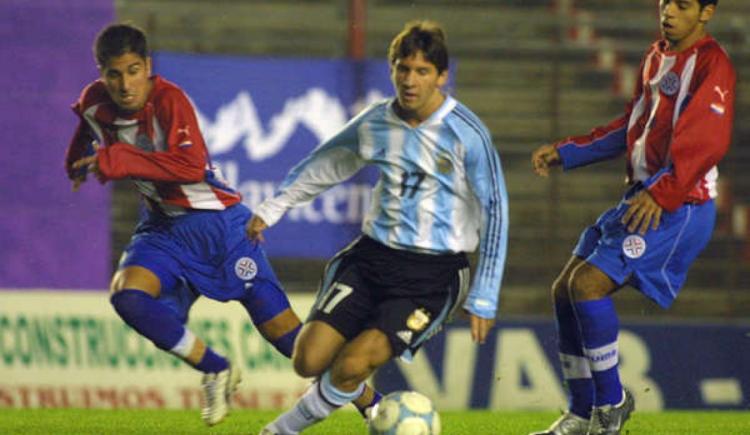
<point x="316" y="347"/>
<point x="368" y="351"/>
<point x="143" y="266"/>
<point x="408" y="322"/>
<point x="560" y="284"/>
<point x="149" y="264"/>
<point x="344" y="300"/>
<point x="267" y="304"/>
<point x="588" y="282"/>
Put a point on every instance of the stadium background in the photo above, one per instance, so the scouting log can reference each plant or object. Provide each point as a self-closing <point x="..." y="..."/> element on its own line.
<point x="534" y="70"/>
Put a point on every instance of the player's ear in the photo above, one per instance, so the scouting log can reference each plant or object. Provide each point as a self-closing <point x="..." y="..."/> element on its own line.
<point x="443" y="78"/>
<point x="102" y="69"/>
<point x="707" y="13"/>
<point x="148" y="65"/>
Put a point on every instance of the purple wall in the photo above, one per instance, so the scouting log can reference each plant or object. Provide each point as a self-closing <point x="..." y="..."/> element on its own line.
<point x="49" y="236"/>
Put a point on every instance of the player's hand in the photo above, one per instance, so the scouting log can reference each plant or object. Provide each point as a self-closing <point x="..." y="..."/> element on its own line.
<point x="545" y="157"/>
<point x="480" y="327"/>
<point x="84" y="166"/>
<point x="643" y="212"/>
<point x="91" y="164"/>
<point x="254" y="229"/>
<point x="77" y="181"/>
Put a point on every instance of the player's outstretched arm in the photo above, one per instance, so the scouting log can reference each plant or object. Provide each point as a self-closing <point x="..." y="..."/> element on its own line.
<point x="545" y="157"/>
<point x="254" y="229"/>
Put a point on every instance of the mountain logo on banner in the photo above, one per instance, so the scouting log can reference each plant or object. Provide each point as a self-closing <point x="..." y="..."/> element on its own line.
<point x="237" y="122"/>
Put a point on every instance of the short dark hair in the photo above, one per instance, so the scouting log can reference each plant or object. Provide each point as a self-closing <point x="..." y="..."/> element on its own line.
<point x="118" y="39"/>
<point x="705" y="3"/>
<point x="421" y="35"/>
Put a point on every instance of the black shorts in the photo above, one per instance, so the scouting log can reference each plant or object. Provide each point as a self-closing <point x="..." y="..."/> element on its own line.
<point x="405" y="295"/>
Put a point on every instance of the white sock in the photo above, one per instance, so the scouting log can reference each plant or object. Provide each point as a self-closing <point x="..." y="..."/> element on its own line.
<point x="318" y="402"/>
<point x="309" y="409"/>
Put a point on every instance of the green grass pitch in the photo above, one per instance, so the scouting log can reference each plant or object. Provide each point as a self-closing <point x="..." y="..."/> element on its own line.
<point x="81" y="421"/>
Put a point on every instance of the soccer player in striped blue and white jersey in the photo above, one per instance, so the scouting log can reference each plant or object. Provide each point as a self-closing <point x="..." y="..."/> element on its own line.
<point x="440" y="193"/>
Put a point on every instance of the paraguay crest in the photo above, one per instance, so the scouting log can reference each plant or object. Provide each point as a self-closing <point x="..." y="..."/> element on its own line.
<point x="670" y="83"/>
<point x="245" y="268"/>
<point x="634" y="246"/>
<point x="418" y="320"/>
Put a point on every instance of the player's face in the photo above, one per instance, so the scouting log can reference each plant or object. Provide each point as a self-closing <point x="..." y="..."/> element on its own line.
<point x="683" y="21"/>
<point x="417" y="84"/>
<point x="127" y="79"/>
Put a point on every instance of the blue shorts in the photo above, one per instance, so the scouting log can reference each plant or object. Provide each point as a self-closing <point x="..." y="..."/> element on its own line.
<point x="206" y="253"/>
<point x="657" y="263"/>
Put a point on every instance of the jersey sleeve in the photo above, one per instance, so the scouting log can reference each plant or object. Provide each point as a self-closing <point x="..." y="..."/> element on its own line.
<point x="184" y="160"/>
<point x="701" y="135"/>
<point x="332" y="162"/>
<point x="485" y="176"/>
<point x="602" y="143"/>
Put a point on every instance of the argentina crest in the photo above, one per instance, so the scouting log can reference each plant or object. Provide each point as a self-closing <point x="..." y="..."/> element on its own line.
<point x="444" y="164"/>
<point x="418" y="320"/>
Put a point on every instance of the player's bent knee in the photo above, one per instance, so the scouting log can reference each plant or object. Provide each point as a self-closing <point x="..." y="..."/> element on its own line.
<point x="351" y="369"/>
<point x="308" y="366"/>
<point x="136" y="278"/>
<point x="589" y="283"/>
<point x="308" y="361"/>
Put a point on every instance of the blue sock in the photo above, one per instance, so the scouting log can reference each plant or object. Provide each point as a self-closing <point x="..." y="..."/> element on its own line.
<point x="159" y="324"/>
<point x="375" y="399"/>
<point x="148" y="317"/>
<point x="212" y="362"/>
<point x="285" y="343"/>
<point x="599" y="326"/>
<point x="575" y="365"/>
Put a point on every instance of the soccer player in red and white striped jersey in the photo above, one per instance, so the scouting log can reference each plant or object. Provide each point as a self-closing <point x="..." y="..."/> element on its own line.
<point x="673" y="133"/>
<point x="191" y="241"/>
<point x="148" y="132"/>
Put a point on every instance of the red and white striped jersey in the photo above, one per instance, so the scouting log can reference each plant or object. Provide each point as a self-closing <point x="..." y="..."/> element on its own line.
<point x="675" y="130"/>
<point x="160" y="148"/>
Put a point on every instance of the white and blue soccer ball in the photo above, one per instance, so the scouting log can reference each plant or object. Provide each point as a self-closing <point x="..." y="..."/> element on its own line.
<point x="405" y="413"/>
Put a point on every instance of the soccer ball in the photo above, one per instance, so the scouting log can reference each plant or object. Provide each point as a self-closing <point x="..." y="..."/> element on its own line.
<point x="405" y="413"/>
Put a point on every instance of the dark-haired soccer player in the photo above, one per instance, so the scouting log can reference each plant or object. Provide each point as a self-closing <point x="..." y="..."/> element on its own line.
<point x="674" y="132"/>
<point x="441" y="193"/>
<point x="191" y="241"/>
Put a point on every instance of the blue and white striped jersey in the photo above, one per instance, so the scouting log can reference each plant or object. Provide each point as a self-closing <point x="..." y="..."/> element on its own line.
<point x="441" y="187"/>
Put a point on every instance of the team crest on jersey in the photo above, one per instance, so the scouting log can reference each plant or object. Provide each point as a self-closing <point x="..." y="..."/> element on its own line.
<point x="418" y="320"/>
<point x="670" y="83"/>
<point x="634" y="246"/>
<point x="444" y="164"/>
<point x="245" y="268"/>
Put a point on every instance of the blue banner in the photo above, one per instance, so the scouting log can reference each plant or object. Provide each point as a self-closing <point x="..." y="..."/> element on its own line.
<point x="262" y="116"/>
<point x="665" y="365"/>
